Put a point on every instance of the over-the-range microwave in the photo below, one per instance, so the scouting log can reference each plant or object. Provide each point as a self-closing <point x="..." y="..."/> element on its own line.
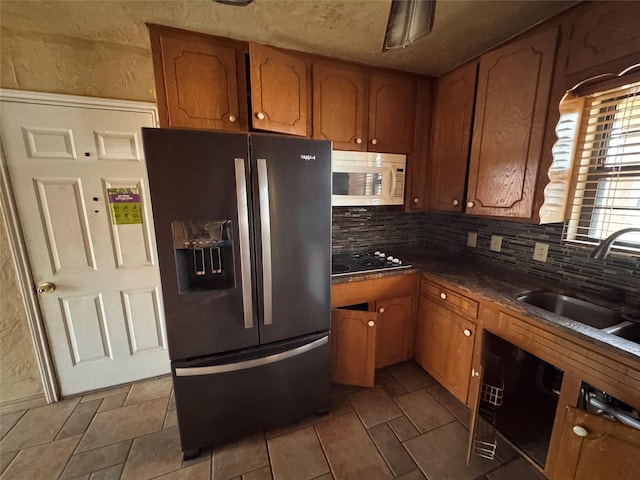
<point x="367" y="178"/>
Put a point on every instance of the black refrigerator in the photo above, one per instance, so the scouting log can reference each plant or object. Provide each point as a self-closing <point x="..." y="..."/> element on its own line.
<point x="243" y="230"/>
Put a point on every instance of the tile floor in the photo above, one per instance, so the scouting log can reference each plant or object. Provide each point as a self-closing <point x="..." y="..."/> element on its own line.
<point x="408" y="427"/>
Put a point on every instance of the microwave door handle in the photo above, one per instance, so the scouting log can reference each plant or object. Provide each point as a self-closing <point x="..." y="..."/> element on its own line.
<point x="243" y="236"/>
<point x="392" y="187"/>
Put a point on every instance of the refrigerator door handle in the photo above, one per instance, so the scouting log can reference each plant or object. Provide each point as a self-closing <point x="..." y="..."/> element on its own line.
<point x="256" y="362"/>
<point x="265" y="229"/>
<point x="243" y="234"/>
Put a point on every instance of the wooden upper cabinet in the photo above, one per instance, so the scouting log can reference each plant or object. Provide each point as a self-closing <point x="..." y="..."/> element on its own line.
<point x="392" y="106"/>
<point x="419" y="159"/>
<point x="603" y="38"/>
<point x="339" y="105"/>
<point x="451" y="138"/>
<point x="200" y="80"/>
<point x="511" y="107"/>
<point x="280" y="91"/>
<point x="593" y="447"/>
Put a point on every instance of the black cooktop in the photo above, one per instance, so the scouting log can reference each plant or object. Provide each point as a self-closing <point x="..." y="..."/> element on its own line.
<point x="359" y="262"/>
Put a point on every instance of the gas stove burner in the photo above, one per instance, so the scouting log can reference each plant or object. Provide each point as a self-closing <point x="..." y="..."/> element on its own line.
<point x="371" y="262"/>
<point x="364" y="262"/>
<point x="339" y="268"/>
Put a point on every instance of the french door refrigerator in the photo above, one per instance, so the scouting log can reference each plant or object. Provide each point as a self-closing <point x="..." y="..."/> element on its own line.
<point x="243" y="230"/>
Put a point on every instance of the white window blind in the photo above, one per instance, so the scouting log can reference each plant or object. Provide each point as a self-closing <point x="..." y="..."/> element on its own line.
<point x="605" y="186"/>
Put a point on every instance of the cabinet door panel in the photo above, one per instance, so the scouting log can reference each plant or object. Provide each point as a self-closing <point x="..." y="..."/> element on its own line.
<point x="609" y="449"/>
<point x="280" y="94"/>
<point x="353" y="347"/>
<point x="393" y="332"/>
<point x="513" y="96"/>
<point x="443" y="349"/>
<point x="453" y="112"/>
<point x="600" y="35"/>
<point x="339" y="105"/>
<point x="199" y="79"/>
<point x="392" y="105"/>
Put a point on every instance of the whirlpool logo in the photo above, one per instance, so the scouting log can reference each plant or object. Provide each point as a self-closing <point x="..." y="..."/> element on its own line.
<point x="306" y="158"/>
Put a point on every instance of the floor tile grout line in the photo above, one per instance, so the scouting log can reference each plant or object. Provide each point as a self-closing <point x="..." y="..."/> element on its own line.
<point x="324" y="451"/>
<point x="16" y="422"/>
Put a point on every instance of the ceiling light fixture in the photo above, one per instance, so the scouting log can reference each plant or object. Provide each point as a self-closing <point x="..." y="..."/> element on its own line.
<point x="235" y="3"/>
<point x="408" y="21"/>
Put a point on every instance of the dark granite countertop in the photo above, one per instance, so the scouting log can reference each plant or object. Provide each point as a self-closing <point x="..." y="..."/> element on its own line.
<point x="502" y="286"/>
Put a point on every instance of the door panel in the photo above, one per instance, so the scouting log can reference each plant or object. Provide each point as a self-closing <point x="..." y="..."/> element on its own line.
<point x="61" y="160"/>
<point x="294" y="261"/>
<point x="353" y="347"/>
<point x="393" y="336"/>
<point x="280" y="91"/>
<point x="339" y="106"/>
<point x="192" y="177"/>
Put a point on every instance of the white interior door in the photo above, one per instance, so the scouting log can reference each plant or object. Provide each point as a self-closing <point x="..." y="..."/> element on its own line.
<point x="104" y="319"/>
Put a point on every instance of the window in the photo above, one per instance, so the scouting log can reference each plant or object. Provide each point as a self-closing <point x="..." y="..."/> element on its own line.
<point x="605" y="183"/>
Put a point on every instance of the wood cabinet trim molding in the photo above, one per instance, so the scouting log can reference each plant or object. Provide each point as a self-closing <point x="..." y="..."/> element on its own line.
<point x="365" y="291"/>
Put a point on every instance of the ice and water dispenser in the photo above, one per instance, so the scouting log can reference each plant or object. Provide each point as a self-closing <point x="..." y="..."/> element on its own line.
<point x="204" y="255"/>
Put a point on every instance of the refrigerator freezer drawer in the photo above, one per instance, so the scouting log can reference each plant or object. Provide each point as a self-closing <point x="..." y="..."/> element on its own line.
<point x="256" y="362"/>
<point x="236" y="399"/>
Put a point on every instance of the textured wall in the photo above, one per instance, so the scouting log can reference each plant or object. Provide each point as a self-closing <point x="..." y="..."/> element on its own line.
<point x="19" y="376"/>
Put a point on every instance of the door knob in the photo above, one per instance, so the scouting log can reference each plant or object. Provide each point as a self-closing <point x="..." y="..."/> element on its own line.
<point x="46" y="287"/>
<point x="260" y="115"/>
<point x="580" y="431"/>
<point x="232" y="118"/>
<point x="470" y="204"/>
<point x="374" y="141"/>
<point x="443" y="296"/>
<point x="467" y="332"/>
<point x="358" y="140"/>
<point x="416" y="200"/>
<point x="371" y="323"/>
<point x="456" y="202"/>
<point x="381" y="310"/>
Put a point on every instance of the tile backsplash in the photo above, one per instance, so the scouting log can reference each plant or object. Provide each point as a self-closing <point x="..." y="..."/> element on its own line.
<point x="359" y="228"/>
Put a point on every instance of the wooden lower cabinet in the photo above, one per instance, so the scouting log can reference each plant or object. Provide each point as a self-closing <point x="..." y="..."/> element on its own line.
<point x="394" y="330"/>
<point x="444" y="346"/>
<point x="601" y="449"/>
<point x="353" y="347"/>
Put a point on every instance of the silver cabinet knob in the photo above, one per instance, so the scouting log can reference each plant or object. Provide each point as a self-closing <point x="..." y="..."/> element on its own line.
<point x="416" y="200"/>
<point x="381" y="310"/>
<point x="46" y="287"/>
<point x="232" y="118"/>
<point x="443" y="296"/>
<point x="470" y="204"/>
<point x="371" y="323"/>
<point x="580" y="431"/>
<point x="260" y="115"/>
<point x="358" y="140"/>
<point x="467" y="332"/>
<point x="456" y="203"/>
<point x="374" y="141"/>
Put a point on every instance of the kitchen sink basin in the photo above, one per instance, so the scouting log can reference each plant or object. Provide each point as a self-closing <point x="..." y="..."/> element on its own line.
<point x="629" y="331"/>
<point x="569" y="307"/>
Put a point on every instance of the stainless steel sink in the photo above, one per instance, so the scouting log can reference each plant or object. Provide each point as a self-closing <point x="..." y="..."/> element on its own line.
<point x="628" y="330"/>
<point x="578" y="310"/>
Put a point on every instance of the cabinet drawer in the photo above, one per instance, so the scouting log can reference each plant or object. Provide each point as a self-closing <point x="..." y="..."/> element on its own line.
<point x="451" y="300"/>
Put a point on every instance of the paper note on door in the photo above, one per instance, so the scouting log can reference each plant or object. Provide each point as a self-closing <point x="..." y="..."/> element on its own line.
<point x="124" y="204"/>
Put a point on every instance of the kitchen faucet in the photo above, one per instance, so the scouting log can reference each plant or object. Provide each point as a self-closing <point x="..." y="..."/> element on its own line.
<point x="602" y="250"/>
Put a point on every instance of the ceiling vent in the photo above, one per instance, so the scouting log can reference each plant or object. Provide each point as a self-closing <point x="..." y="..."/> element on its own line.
<point x="409" y="20"/>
